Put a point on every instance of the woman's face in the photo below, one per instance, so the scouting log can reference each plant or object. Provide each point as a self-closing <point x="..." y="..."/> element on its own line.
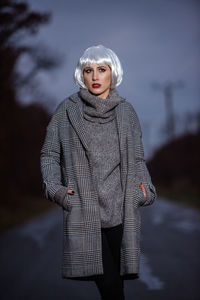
<point x="97" y="79"/>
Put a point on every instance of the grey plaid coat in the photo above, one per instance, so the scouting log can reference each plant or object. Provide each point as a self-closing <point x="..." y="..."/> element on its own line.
<point x="65" y="166"/>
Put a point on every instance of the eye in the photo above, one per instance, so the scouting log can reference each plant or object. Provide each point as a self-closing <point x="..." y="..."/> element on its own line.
<point x="102" y="70"/>
<point x="87" y="70"/>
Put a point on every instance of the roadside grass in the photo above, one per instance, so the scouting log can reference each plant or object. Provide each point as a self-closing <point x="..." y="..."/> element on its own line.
<point x="19" y="209"/>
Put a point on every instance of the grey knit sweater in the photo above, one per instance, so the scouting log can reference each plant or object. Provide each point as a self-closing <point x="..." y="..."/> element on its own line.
<point x="100" y="123"/>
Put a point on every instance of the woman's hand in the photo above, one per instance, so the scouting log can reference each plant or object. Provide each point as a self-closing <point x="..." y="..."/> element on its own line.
<point x="143" y="189"/>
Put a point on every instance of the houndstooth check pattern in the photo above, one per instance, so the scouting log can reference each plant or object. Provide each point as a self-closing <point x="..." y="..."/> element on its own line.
<point x="65" y="164"/>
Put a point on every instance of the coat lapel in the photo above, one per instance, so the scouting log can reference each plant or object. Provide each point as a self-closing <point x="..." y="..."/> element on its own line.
<point x="120" y="125"/>
<point x="75" y="114"/>
<point x="120" y="117"/>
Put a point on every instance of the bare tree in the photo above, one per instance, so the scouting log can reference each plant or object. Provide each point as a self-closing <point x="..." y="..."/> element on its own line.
<point x="21" y="128"/>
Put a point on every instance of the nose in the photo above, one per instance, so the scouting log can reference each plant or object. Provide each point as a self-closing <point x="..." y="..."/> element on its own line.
<point x="95" y="75"/>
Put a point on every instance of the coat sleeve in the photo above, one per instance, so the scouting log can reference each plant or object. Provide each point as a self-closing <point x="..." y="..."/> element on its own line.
<point x="142" y="176"/>
<point x="50" y="164"/>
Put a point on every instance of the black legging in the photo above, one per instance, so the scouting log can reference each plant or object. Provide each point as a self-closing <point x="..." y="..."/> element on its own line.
<point x="110" y="284"/>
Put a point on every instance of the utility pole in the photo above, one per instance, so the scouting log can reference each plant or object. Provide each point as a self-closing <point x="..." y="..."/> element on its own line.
<point x="168" y="90"/>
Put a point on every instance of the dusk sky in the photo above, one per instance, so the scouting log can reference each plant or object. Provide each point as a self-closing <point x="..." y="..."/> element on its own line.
<point x="155" y="40"/>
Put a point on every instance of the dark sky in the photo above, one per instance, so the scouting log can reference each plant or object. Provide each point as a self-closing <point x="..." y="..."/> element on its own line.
<point x="156" y="41"/>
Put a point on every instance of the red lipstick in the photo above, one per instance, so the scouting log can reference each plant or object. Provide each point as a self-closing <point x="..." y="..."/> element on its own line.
<point x="96" y="85"/>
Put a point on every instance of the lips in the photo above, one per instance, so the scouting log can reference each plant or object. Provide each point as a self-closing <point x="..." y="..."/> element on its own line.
<point x="96" y="85"/>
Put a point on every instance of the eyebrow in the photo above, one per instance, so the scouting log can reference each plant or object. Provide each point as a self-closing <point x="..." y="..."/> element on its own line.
<point x="103" y="66"/>
<point x="99" y="66"/>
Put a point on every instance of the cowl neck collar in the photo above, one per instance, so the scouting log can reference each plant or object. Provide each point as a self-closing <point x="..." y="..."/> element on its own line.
<point x="99" y="110"/>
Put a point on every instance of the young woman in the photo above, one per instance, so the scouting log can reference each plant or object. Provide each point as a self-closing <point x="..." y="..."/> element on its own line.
<point x="93" y="167"/>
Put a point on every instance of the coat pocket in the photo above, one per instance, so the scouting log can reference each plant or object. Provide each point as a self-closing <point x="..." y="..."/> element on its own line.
<point x="69" y="196"/>
<point x="63" y="197"/>
<point x="150" y="194"/>
<point x="141" y="190"/>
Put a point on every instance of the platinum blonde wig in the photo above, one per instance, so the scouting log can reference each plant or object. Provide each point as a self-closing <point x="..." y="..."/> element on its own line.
<point x="99" y="55"/>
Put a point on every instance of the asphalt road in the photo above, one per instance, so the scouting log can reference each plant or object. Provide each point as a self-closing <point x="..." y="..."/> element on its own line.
<point x="30" y="259"/>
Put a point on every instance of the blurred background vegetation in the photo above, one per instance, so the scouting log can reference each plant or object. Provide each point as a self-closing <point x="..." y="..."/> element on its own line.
<point x="174" y="166"/>
<point x="22" y="127"/>
<point x="175" y="169"/>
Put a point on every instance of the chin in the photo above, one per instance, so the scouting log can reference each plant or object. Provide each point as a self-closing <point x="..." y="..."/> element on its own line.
<point x="95" y="92"/>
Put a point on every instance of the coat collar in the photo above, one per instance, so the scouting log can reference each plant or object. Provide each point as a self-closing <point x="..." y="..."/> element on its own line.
<point x="75" y="113"/>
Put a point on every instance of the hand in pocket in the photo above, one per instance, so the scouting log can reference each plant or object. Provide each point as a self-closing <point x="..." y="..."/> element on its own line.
<point x="143" y="189"/>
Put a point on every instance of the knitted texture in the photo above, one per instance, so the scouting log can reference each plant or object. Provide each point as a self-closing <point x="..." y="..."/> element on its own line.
<point x="100" y="123"/>
<point x="97" y="109"/>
